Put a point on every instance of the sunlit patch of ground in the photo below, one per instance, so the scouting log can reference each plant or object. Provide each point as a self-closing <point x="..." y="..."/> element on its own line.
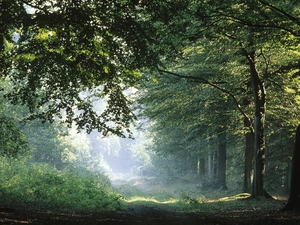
<point x="235" y="197"/>
<point x="151" y="188"/>
<point x="280" y="197"/>
<point x="189" y="197"/>
<point x="146" y="199"/>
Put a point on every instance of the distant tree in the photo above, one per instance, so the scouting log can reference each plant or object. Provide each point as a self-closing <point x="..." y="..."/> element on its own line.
<point x="12" y="141"/>
<point x="222" y="159"/>
<point x="45" y="142"/>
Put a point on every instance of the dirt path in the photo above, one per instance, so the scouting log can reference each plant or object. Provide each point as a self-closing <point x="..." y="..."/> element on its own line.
<point x="142" y="215"/>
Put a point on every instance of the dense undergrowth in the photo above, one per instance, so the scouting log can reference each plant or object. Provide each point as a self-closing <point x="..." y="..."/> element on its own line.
<point x="40" y="186"/>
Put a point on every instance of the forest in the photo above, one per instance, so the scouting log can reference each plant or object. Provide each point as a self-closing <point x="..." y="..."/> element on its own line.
<point x="125" y="111"/>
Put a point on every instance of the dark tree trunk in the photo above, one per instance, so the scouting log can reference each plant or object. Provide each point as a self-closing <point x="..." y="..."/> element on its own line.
<point x="209" y="166"/>
<point x="215" y="164"/>
<point x="248" y="158"/>
<point x="259" y="95"/>
<point x="221" y="178"/>
<point x="294" y="196"/>
<point x="287" y="181"/>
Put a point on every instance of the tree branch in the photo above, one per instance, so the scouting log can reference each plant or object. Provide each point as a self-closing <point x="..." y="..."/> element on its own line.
<point x="204" y="81"/>
<point x="34" y="6"/>
<point x="247" y="23"/>
<point x="190" y="77"/>
<point x="292" y="18"/>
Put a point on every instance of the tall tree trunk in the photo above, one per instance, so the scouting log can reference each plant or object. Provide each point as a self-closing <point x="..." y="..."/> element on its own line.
<point x="287" y="183"/>
<point x="294" y="196"/>
<point x="287" y="180"/>
<point x="202" y="168"/>
<point x="259" y="95"/>
<point x="209" y="166"/>
<point x="248" y="167"/>
<point x="221" y="178"/>
<point x="215" y="164"/>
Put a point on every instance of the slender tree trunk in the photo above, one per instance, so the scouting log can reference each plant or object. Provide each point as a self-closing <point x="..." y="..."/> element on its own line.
<point x="209" y="166"/>
<point x="294" y="196"/>
<point x="221" y="178"/>
<point x="248" y="158"/>
<point x="259" y="94"/>
<point x="202" y="168"/>
<point x="215" y="165"/>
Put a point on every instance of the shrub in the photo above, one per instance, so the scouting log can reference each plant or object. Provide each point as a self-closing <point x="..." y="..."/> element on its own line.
<point x="39" y="186"/>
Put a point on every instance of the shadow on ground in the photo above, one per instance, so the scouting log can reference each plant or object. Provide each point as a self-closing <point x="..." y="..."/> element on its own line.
<point x="145" y="212"/>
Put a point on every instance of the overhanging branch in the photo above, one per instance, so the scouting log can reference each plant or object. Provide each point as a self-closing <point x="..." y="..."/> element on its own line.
<point x="215" y="85"/>
<point x="34" y="6"/>
<point x="292" y="18"/>
<point x="199" y="79"/>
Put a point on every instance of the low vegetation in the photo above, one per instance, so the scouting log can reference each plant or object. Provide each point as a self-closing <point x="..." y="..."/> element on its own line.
<point x="190" y="197"/>
<point x="73" y="197"/>
<point x="42" y="187"/>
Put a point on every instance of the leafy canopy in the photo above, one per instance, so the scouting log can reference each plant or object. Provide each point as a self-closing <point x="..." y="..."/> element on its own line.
<point x="67" y="48"/>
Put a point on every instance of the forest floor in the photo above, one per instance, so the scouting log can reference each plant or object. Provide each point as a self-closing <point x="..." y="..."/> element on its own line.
<point x="163" y="205"/>
<point x="154" y="214"/>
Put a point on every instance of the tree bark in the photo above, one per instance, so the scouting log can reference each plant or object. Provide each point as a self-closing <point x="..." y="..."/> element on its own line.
<point x="259" y="95"/>
<point x="215" y="164"/>
<point x="221" y="178"/>
<point x="294" y="195"/>
<point x="209" y="166"/>
<point x="248" y="167"/>
<point x="287" y="181"/>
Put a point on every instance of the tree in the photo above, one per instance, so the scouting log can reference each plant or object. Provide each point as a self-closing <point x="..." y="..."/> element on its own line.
<point x="45" y="141"/>
<point x="184" y="110"/>
<point x="13" y="141"/>
<point x="293" y="200"/>
<point x="259" y="94"/>
<point x="248" y="164"/>
<point x="222" y="151"/>
<point x="232" y="23"/>
<point x="12" y="16"/>
<point x="253" y="42"/>
<point x="67" y="47"/>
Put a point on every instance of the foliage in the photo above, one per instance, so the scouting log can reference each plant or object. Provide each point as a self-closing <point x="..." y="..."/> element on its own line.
<point x="205" y="54"/>
<point x="39" y="186"/>
<point x="44" y="141"/>
<point x="69" y="47"/>
<point x="185" y="112"/>
<point x="12" y="141"/>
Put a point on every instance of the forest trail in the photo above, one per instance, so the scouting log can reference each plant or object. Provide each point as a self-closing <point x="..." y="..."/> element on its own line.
<point x="150" y="215"/>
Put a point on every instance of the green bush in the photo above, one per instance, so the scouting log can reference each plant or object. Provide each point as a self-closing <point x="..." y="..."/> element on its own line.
<point x="13" y="141"/>
<point x="40" y="186"/>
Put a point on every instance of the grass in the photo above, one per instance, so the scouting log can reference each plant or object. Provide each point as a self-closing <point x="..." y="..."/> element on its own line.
<point x="188" y="197"/>
<point x="136" y="199"/>
<point x="229" y="203"/>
